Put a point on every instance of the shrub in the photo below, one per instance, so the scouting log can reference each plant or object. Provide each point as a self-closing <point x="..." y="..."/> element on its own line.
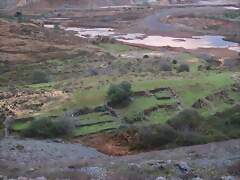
<point x="232" y="15"/>
<point x="146" y="56"/>
<point x="49" y="128"/>
<point x="174" y="61"/>
<point x="19" y="16"/>
<point x="155" y="136"/>
<point x="119" y="94"/>
<point x="40" y="77"/>
<point x="235" y="119"/>
<point x="183" y="68"/>
<point x="186" y="120"/>
<point x="165" y="67"/>
<point x="208" y="67"/>
<point x="56" y="27"/>
<point x="187" y="138"/>
<point x="134" y="117"/>
<point x="212" y="60"/>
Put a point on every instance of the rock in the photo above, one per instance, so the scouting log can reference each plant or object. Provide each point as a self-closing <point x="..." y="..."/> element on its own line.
<point x="228" y="178"/>
<point x="22" y="178"/>
<point x="40" y="178"/>
<point x="31" y="169"/>
<point x="169" y="162"/>
<point x="97" y="172"/>
<point x="134" y="165"/>
<point x="12" y="149"/>
<point x="197" y="178"/>
<point x="159" y="164"/>
<point x="19" y="147"/>
<point x="183" y="166"/>
<point x="58" y="141"/>
<point x="160" y="178"/>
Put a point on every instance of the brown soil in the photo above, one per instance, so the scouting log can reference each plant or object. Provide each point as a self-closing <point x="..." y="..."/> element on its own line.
<point x="106" y="143"/>
<point x="204" y="23"/>
<point x="29" y="42"/>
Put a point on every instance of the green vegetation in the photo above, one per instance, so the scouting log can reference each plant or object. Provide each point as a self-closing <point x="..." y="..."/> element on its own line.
<point x="115" y="48"/>
<point x="183" y="68"/>
<point x="187" y="128"/>
<point x="189" y="87"/>
<point x="119" y="94"/>
<point x="19" y="16"/>
<point x="143" y="74"/>
<point x="232" y="15"/>
<point x="48" y="128"/>
<point x="134" y="117"/>
<point x="95" y="128"/>
<point x="165" y="67"/>
<point x="186" y="120"/>
<point x="20" y="125"/>
<point x="154" y="136"/>
<point x="40" y="77"/>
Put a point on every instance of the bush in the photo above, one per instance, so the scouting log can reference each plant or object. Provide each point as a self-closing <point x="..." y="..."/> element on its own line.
<point x="49" y="128"/>
<point x="186" y="120"/>
<point x="134" y="117"/>
<point x="174" y="61"/>
<point x="187" y="138"/>
<point x="56" y="27"/>
<point x="235" y="119"/>
<point x="212" y="60"/>
<point x="40" y="77"/>
<point x="165" y="67"/>
<point x="119" y="94"/>
<point x="146" y="56"/>
<point x="183" y="68"/>
<point x="19" y="16"/>
<point x="155" y="136"/>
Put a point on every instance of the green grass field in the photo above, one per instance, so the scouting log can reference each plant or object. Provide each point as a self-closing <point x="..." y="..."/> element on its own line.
<point x="189" y="87"/>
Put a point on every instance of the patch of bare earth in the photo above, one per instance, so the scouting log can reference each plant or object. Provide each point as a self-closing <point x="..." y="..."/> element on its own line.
<point x="106" y="143"/>
<point x="31" y="42"/>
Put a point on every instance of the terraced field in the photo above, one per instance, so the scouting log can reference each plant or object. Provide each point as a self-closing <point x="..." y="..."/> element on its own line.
<point x="79" y="71"/>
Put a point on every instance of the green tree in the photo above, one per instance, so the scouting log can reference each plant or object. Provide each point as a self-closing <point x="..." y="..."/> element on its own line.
<point x="119" y="94"/>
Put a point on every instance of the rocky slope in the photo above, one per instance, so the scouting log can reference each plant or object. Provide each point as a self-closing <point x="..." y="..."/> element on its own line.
<point x="56" y="159"/>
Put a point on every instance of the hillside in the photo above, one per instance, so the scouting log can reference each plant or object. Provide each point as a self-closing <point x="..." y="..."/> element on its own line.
<point x="110" y="90"/>
<point x="68" y="3"/>
<point x="54" y="160"/>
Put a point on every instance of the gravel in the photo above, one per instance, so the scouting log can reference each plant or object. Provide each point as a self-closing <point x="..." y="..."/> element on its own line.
<point x="29" y="151"/>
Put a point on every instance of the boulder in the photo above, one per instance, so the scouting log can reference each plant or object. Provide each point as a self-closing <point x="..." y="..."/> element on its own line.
<point x="183" y="167"/>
